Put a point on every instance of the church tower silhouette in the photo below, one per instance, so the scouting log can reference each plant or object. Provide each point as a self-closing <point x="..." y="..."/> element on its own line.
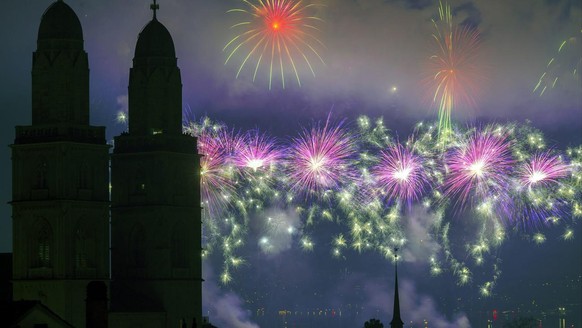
<point x="62" y="213"/>
<point x="60" y="196"/>
<point x="155" y="196"/>
<point x="396" y="320"/>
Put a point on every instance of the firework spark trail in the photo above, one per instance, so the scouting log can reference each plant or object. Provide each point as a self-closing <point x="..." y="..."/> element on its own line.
<point x="453" y="68"/>
<point x="219" y="196"/>
<point x="215" y="180"/>
<point x="567" y="62"/>
<point x="282" y="33"/>
<point x="224" y="210"/>
<point x="573" y="188"/>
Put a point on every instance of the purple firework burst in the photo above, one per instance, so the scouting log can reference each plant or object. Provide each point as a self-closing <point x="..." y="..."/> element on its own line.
<point x="217" y="187"/>
<point x="400" y="174"/>
<point x="319" y="158"/>
<point x="536" y="200"/>
<point x="257" y="151"/>
<point x="479" y="168"/>
<point x="542" y="169"/>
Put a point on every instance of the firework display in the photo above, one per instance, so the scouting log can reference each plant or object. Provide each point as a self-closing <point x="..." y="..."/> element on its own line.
<point x="479" y="168"/>
<point x="490" y="182"/>
<point x="565" y="64"/>
<point x="256" y="152"/>
<point x="279" y="34"/>
<point x="400" y="174"/>
<point x="498" y="179"/>
<point x="453" y="67"/>
<point x="319" y="159"/>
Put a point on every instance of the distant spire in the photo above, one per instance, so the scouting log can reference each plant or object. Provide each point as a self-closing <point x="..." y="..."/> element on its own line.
<point x="154" y="6"/>
<point x="396" y="320"/>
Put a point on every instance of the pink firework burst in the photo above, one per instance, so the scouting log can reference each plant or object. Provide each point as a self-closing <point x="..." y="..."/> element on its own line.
<point x="542" y="169"/>
<point x="537" y="199"/>
<point x="400" y="174"/>
<point x="217" y="187"/>
<point x="257" y="151"/>
<point x="480" y="167"/>
<point x="319" y="158"/>
<point x="229" y="141"/>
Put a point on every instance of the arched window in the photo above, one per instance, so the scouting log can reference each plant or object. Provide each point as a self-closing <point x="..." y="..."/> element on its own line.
<point x="44" y="248"/>
<point x="137" y="246"/>
<point x="42" y="245"/>
<point x="179" y="246"/>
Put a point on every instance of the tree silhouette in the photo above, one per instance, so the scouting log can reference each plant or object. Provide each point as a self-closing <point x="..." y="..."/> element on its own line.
<point x="373" y="323"/>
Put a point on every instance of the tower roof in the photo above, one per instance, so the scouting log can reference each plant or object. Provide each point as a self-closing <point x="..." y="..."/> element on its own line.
<point x="155" y="41"/>
<point x="155" y="84"/>
<point x="59" y="22"/>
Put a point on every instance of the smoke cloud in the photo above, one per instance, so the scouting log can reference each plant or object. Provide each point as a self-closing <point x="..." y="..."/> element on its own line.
<point x="224" y="309"/>
<point x="277" y="229"/>
<point x="415" y="307"/>
<point x="420" y="245"/>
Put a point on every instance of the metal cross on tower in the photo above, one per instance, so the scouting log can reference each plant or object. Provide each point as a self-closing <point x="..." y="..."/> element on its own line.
<point x="154" y="6"/>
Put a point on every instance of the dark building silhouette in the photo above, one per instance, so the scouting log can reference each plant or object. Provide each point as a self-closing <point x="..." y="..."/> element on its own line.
<point x="96" y="305"/>
<point x="5" y="277"/>
<point x="61" y="191"/>
<point x="29" y="314"/>
<point x="60" y="195"/>
<point x="155" y="196"/>
<point x="396" y="320"/>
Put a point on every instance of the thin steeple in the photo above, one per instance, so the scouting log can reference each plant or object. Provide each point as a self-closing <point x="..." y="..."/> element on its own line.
<point x="396" y="320"/>
<point x="154" y="6"/>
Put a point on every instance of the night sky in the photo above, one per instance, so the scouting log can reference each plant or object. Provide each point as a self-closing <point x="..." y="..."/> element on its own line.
<point x="374" y="54"/>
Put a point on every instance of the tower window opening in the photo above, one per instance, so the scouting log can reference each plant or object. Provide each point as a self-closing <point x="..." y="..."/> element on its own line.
<point x="43" y="247"/>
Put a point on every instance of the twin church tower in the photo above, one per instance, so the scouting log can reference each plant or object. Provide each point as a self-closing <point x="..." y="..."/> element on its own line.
<point x="106" y="240"/>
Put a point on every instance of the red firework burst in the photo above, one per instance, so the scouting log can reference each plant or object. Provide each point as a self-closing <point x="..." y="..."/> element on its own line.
<point x="281" y="33"/>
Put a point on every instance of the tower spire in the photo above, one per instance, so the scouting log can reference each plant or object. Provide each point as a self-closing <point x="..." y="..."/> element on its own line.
<point x="396" y="320"/>
<point x="154" y="6"/>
